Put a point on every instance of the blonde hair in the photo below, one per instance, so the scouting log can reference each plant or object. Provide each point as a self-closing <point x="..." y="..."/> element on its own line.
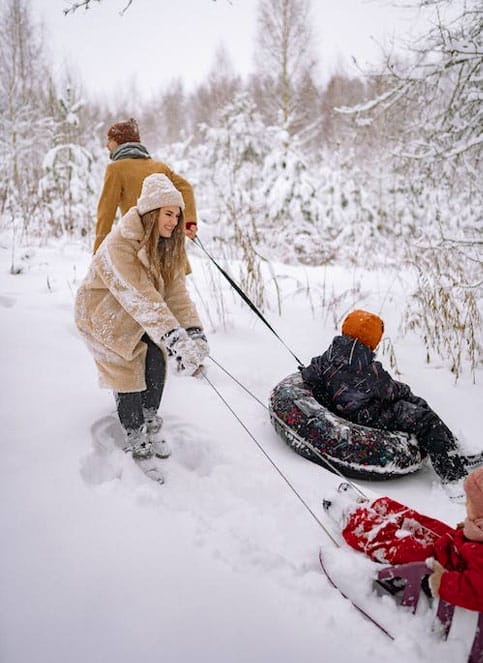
<point x="166" y="255"/>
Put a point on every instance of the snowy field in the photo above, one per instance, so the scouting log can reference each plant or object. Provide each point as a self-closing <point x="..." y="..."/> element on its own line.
<point x="219" y="565"/>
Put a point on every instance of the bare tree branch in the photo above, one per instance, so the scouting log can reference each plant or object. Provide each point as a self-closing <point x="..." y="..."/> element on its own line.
<point x="437" y="95"/>
<point x="78" y="4"/>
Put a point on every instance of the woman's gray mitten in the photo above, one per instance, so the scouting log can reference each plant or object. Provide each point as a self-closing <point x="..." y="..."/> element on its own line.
<point x="198" y="336"/>
<point x="186" y="352"/>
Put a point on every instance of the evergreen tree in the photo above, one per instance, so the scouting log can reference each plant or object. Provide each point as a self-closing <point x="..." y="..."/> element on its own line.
<point x="67" y="187"/>
<point x="292" y="210"/>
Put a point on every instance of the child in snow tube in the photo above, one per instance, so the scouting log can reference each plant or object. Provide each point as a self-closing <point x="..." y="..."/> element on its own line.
<point x="347" y="380"/>
<point x="389" y="532"/>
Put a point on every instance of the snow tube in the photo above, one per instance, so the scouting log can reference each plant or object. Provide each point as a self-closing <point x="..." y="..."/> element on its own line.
<point x="356" y="451"/>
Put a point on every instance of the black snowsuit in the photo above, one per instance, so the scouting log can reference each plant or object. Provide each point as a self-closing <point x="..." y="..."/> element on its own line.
<point x="348" y="381"/>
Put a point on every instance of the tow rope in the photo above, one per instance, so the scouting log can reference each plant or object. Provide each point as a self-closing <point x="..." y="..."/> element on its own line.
<point x="325" y="461"/>
<point x="270" y="460"/>
<point x="245" y="298"/>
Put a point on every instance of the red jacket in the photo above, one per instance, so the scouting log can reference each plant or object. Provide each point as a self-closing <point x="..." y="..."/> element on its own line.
<point x="462" y="582"/>
<point x="392" y="533"/>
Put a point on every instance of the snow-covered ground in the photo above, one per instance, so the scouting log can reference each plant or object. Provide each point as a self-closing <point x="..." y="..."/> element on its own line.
<point x="220" y="565"/>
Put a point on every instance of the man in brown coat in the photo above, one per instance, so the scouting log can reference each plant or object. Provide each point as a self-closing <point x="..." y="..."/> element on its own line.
<point x="124" y="178"/>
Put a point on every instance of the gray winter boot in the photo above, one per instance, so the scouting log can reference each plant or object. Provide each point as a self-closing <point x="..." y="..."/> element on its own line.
<point x="150" y="467"/>
<point x="154" y="423"/>
<point x="137" y="443"/>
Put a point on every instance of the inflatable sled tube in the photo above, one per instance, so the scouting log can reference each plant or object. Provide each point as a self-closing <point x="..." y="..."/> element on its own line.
<point x="356" y="451"/>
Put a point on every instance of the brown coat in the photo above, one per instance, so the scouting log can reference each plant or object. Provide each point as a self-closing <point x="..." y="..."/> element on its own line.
<point x="123" y="181"/>
<point x="118" y="302"/>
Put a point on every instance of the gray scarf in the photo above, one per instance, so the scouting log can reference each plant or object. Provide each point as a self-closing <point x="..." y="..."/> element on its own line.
<point x="129" y="151"/>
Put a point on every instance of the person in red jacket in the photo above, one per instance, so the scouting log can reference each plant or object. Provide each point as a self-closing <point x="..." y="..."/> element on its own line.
<point x="392" y="533"/>
<point x="458" y="559"/>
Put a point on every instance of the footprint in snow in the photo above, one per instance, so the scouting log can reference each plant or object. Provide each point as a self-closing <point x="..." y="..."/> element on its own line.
<point x="105" y="461"/>
<point x="7" y="302"/>
<point x="191" y="447"/>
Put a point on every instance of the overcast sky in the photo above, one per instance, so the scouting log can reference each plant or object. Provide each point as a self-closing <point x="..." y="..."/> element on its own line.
<point x="158" y="40"/>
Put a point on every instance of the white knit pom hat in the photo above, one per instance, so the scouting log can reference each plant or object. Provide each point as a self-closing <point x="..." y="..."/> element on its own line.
<point x="158" y="191"/>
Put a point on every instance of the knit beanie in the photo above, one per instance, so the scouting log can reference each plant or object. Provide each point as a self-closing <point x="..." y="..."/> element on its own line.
<point x="125" y="132"/>
<point x="158" y="191"/>
<point x="473" y="527"/>
<point x="367" y="327"/>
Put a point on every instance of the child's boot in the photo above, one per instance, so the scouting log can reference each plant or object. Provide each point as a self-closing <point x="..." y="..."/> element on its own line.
<point x="472" y="461"/>
<point x="454" y="490"/>
<point x="340" y="504"/>
<point x="451" y="469"/>
<point x="453" y="478"/>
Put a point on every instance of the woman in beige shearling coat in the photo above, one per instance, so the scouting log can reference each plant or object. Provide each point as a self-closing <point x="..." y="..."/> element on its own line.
<point x="133" y="306"/>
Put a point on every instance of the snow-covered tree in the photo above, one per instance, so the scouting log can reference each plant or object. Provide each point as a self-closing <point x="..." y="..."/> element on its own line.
<point x="232" y="154"/>
<point x="213" y="95"/>
<point x="26" y="128"/>
<point x="433" y="97"/>
<point x="164" y="118"/>
<point x="67" y="189"/>
<point x="437" y="92"/>
<point x="285" y="63"/>
<point x="292" y="213"/>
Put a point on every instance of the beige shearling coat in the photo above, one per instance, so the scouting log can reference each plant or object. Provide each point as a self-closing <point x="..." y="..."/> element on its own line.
<point x="118" y="302"/>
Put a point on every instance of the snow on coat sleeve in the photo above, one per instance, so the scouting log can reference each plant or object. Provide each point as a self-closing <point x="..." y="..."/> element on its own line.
<point x="462" y="581"/>
<point x="119" y="267"/>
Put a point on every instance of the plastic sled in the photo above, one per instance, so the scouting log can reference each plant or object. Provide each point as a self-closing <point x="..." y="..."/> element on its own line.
<point x="413" y="574"/>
